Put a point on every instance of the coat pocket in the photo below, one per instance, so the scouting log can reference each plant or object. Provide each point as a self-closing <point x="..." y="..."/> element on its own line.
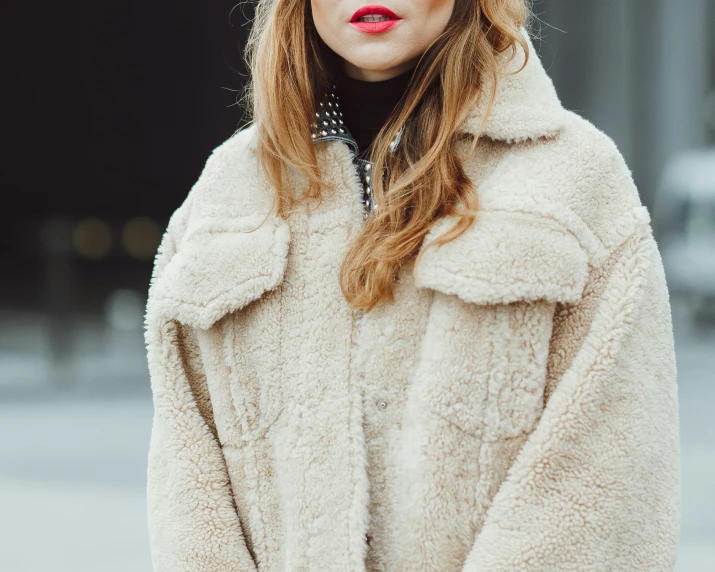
<point x="221" y="269"/>
<point x="486" y="348"/>
<point x="483" y="367"/>
<point x="252" y="346"/>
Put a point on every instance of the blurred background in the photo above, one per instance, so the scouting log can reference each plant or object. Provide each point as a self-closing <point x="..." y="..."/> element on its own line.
<point x="111" y="109"/>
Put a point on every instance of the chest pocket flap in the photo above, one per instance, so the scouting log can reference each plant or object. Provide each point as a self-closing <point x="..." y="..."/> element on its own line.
<point x="505" y="257"/>
<point x="220" y="267"/>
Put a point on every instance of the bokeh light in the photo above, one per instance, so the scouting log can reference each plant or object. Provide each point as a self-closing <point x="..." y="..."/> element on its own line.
<point x="92" y="238"/>
<point x="141" y="237"/>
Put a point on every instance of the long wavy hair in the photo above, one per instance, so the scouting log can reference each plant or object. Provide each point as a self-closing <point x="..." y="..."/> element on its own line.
<point x="291" y="67"/>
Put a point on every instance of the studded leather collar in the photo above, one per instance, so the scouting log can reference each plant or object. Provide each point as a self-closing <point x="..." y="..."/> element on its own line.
<point x="329" y="126"/>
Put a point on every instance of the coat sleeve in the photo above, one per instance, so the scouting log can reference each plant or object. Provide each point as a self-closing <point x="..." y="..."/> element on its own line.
<point x="596" y="485"/>
<point x="192" y="518"/>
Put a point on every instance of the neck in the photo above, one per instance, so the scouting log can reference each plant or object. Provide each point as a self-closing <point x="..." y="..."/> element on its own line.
<point x="354" y="72"/>
<point x="366" y="105"/>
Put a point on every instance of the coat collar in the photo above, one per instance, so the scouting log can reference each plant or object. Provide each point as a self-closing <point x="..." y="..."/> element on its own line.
<point x="329" y="126"/>
<point x="222" y="266"/>
<point x="526" y="106"/>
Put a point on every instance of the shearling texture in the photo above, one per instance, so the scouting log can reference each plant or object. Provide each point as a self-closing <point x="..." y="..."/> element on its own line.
<point x="513" y="409"/>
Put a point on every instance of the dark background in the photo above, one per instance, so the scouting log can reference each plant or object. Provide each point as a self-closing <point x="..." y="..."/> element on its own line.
<point x="111" y="109"/>
<point x="113" y="106"/>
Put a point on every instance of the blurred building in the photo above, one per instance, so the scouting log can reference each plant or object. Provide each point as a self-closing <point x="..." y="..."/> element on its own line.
<point x="640" y="70"/>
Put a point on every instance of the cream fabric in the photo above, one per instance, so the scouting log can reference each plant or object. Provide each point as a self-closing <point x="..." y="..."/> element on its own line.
<point x="514" y="409"/>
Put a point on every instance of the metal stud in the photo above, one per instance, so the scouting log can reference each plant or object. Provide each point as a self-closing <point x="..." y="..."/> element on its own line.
<point x="382" y="404"/>
<point x="330" y="122"/>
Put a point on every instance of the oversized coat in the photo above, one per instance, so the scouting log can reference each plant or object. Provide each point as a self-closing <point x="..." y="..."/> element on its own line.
<point x="514" y="409"/>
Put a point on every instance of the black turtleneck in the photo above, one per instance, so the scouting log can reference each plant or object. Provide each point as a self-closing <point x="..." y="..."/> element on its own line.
<point x="367" y="104"/>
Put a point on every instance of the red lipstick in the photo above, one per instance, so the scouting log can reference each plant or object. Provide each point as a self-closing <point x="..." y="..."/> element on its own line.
<point x="374" y="19"/>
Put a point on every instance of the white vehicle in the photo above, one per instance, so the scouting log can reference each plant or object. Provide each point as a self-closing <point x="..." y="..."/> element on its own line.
<point x="684" y="214"/>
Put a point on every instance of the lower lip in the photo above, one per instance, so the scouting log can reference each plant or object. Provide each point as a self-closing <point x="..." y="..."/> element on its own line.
<point x="375" y="27"/>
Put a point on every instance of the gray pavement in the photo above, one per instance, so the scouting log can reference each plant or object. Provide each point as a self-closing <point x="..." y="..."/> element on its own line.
<point x="72" y="486"/>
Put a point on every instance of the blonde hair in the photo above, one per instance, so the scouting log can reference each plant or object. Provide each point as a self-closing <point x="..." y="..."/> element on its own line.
<point x="291" y="67"/>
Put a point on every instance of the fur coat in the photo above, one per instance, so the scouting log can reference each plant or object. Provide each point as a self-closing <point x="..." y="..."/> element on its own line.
<point x="514" y="409"/>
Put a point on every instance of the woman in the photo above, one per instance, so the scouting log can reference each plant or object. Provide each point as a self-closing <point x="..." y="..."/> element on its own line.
<point x="444" y="346"/>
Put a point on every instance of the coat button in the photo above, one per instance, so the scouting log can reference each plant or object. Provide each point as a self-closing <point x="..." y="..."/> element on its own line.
<point x="368" y="538"/>
<point x="382" y="404"/>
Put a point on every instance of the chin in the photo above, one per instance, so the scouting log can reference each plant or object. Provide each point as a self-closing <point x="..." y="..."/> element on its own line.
<point x="373" y="66"/>
<point x="378" y="60"/>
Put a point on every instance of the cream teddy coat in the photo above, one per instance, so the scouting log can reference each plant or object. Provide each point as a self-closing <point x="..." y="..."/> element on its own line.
<point x="514" y="409"/>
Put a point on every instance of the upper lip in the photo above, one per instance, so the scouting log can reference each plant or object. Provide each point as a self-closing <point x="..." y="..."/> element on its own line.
<point x="373" y="9"/>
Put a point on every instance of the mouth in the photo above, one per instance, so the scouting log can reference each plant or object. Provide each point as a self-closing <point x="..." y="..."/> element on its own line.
<point x="374" y="19"/>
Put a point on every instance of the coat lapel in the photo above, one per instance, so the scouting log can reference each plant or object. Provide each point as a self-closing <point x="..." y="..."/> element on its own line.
<point x="526" y="106"/>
